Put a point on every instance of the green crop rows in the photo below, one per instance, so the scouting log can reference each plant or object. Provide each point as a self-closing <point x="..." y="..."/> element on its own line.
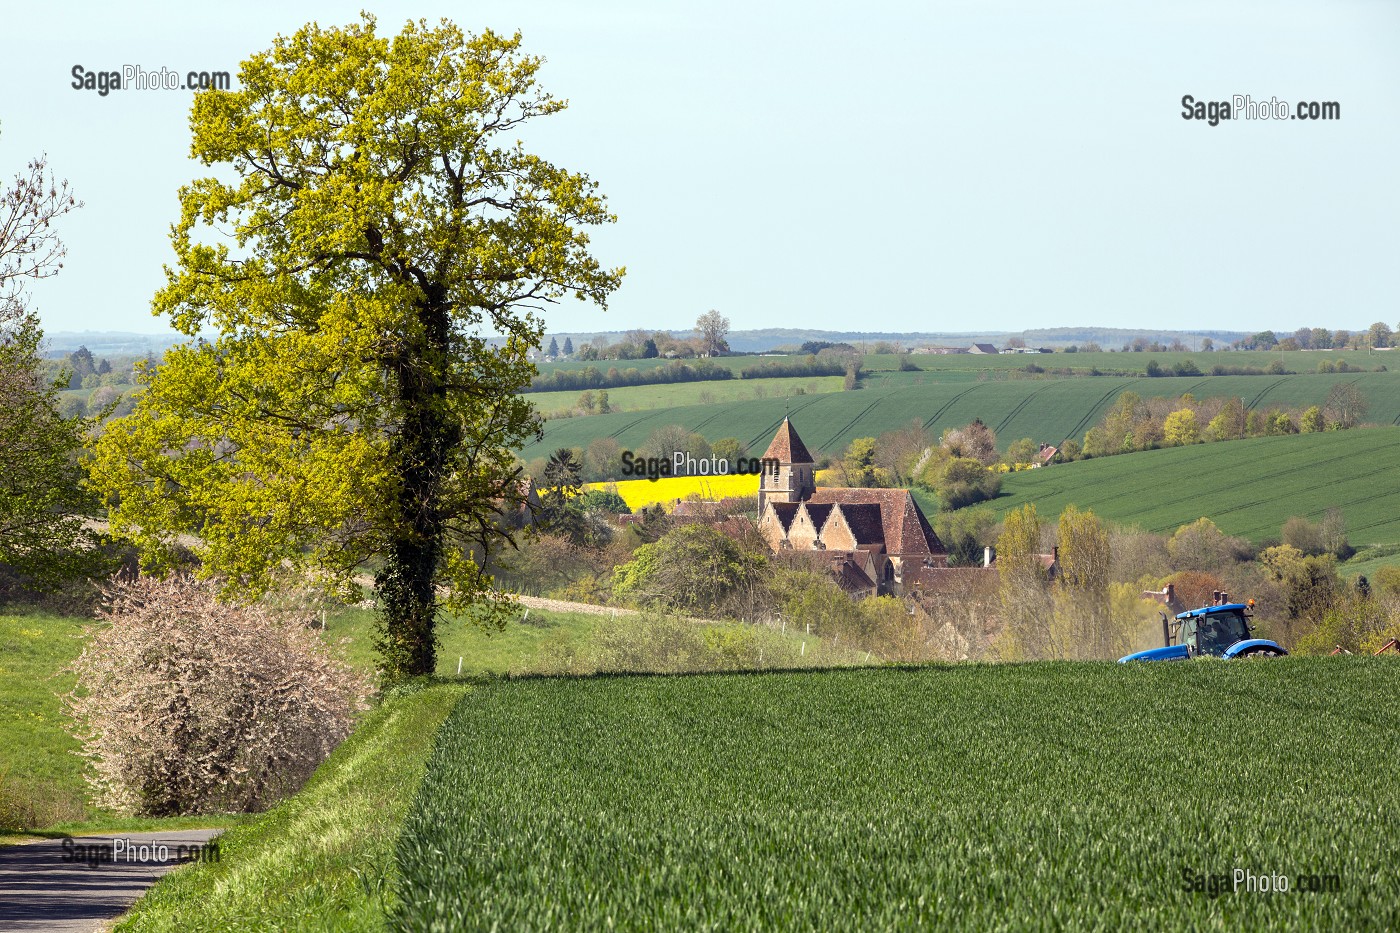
<point x="1247" y="488"/>
<point x="1019" y="796"/>
<point x="1048" y="409"/>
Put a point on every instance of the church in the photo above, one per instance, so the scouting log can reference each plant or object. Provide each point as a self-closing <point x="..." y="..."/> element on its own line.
<point x="877" y="541"/>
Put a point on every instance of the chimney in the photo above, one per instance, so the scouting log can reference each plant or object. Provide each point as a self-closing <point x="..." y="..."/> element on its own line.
<point x="1215" y="596"/>
<point x="1055" y="553"/>
<point x="1170" y="592"/>
<point x="987" y="556"/>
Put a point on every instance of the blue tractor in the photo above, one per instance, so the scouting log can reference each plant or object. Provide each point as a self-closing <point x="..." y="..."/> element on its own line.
<point x="1220" y="630"/>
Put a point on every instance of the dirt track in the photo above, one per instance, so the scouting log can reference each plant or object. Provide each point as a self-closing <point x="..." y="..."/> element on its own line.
<point x="560" y="605"/>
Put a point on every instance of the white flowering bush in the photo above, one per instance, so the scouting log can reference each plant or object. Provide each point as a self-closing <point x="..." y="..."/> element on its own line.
<point x="185" y="704"/>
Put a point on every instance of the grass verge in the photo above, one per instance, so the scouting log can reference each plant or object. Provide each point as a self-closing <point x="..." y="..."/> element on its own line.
<point x="324" y="858"/>
<point x="41" y="775"/>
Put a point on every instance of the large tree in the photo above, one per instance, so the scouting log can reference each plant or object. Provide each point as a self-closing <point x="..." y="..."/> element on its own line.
<point x="42" y="499"/>
<point x="372" y="258"/>
<point x="1346" y="405"/>
<point x="1021" y="580"/>
<point x="1082" y="626"/>
<point x="713" y="327"/>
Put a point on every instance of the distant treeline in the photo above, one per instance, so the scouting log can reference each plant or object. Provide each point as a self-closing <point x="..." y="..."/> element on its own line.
<point x="808" y="366"/>
<point x="1276" y="368"/>
<point x="591" y="377"/>
<point x="1189" y="368"/>
<point x="676" y="371"/>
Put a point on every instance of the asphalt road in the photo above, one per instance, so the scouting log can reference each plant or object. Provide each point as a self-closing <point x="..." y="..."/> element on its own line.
<point x="47" y="886"/>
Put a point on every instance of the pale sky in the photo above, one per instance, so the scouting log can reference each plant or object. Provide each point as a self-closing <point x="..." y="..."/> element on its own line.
<point x="880" y="167"/>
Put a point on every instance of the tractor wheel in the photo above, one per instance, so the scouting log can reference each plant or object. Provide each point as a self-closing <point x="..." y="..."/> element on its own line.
<point x="1261" y="653"/>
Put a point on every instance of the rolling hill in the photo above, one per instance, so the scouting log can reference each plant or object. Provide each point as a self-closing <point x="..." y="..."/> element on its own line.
<point x="1248" y="488"/>
<point x="1044" y="409"/>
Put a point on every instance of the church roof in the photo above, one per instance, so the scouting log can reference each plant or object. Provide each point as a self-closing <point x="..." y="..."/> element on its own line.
<point x="787" y="447"/>
<point x="906" y="530"/>
<point x="865" y="521"/>
<point x="785" y="511"/>
<point x="818" y="514"/>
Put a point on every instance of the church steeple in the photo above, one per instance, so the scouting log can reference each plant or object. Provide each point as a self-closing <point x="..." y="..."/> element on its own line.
<point x="787" y="469"/>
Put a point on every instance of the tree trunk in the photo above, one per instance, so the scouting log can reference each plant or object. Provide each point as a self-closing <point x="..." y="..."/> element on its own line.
<point x="421" y="453"/>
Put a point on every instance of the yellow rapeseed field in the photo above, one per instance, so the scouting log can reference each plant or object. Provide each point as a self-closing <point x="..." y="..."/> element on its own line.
<point x="666" y="490"/>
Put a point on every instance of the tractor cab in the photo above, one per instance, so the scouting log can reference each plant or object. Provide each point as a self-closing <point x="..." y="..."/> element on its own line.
<point x="1213" y="632"/>
<point x="1220" y="630"/>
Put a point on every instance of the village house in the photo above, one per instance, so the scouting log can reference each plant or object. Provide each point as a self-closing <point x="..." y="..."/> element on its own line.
<point x="872" y="537"/>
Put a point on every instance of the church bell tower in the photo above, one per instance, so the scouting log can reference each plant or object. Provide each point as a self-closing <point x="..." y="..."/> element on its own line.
<point x="787" y="474"/>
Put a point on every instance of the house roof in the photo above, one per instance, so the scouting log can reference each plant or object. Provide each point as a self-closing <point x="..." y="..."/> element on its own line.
<point x="787" y="447"/>
<point x="985" y="348"/>
<point x="849" y="575"/>
<point x="945" y="579"/>
<point x="905" y="529"/>
<point x="734" y="527"/>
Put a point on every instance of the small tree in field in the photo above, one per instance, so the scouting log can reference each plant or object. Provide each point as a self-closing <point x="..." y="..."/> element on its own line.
<point x="1345" y="405"/>
<point x="187" y="705"/>
<point x="1180" y="428"/>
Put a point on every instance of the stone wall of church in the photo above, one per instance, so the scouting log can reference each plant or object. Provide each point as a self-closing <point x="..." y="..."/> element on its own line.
<point x="771" y="529"/>
<point x="803" y="534"/>
<point x="837" y="534"/>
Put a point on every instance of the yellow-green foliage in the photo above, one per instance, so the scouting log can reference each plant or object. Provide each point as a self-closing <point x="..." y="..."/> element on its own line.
<point x="366" y="225"/>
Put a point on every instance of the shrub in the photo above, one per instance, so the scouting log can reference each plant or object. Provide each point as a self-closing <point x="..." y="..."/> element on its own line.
<point x="1304" y="535"/>
<point x="1195" y="588"/>
<point x="963" y="481"/>
<point x="187" y="705"/>
<point x="1351" y="623"/>
<point x="695" y="568"/>
<point x="1202" y="546"/>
